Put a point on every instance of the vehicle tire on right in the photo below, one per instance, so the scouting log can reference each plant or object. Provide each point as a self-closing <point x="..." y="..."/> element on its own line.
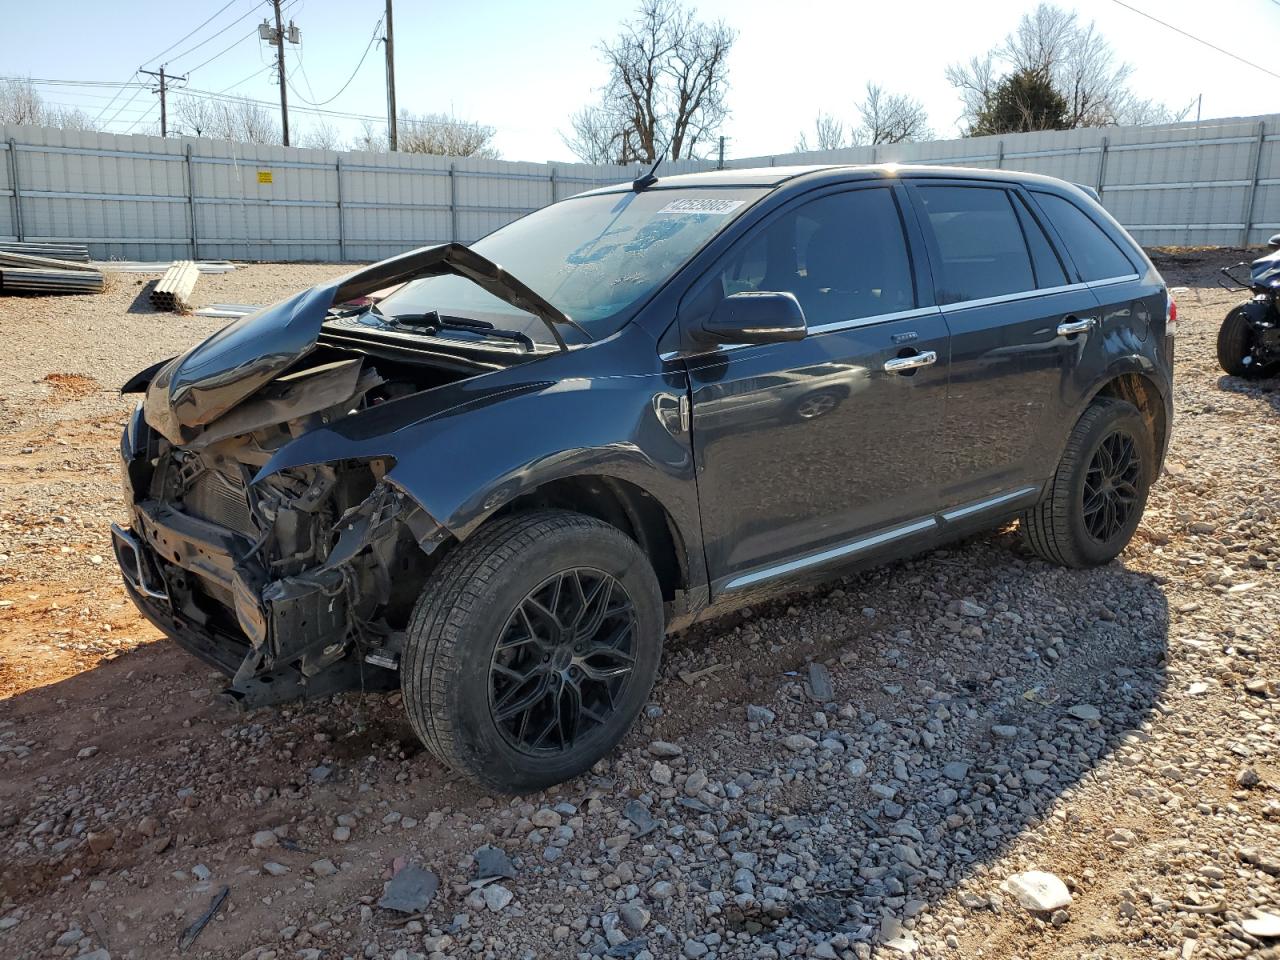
<point x="1093" y="504"/>
<point x="1235" y="345"/>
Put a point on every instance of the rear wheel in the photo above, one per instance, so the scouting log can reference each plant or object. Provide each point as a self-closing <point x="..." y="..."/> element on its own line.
<point x="532" y="649"/>
<point x="1095" y="501"/>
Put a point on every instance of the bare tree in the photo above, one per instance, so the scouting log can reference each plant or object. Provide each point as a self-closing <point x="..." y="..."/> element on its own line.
<point x="196" y="116"/>
<point x="371" y="138"/>
<point x="668" y="79"/>
<point x="21" y="103"/>
<point x="322" y="136"/>
<point x="1075" y="58"/>
<point x="443" y="135"/>
<point x="828" y="134"/>
<point x="891" y="118"/>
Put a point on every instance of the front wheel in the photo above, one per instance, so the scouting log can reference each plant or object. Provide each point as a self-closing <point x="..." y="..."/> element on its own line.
<point x="1238" y="347"/>
<point x="1095" y="500"/>
<point x="532" y="649"/>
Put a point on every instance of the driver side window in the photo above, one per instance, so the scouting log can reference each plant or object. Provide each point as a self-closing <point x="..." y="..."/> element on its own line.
<point x="844" y="256"/>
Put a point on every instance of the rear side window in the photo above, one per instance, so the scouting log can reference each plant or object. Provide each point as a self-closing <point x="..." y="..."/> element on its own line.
<point x="980" y="243"/>
<point x="1096" y="255"/>
<point x="1049" y="271"/>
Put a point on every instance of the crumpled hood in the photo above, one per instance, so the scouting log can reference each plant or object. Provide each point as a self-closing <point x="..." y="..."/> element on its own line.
<point x="198" y="387"/>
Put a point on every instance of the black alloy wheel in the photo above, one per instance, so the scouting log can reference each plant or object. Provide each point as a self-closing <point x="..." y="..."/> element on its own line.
<point x="1111" y="486"/>
<point x="563" y="661"/>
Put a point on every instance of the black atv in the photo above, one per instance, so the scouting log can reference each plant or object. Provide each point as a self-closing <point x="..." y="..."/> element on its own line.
<point x="1249" y="340"/>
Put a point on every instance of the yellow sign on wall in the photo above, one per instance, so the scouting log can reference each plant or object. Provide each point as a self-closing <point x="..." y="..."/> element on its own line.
<point x="264" y="176"/>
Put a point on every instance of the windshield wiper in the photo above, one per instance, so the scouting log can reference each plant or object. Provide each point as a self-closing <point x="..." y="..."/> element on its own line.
<point x="435" y="321"/>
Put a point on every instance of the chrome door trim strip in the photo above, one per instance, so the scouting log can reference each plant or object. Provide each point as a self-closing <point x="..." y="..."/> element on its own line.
<point x="834" y="553"/>
<point x="1111" y="280"/>
<point x="960" y="513"/>
<point x="835" y="325"/>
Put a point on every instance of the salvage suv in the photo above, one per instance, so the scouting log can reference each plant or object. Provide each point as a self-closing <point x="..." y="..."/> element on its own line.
<point x="503" y="485"/>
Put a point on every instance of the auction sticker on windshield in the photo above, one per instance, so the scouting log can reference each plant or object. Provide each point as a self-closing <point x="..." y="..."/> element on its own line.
<point x="702" y="205"/>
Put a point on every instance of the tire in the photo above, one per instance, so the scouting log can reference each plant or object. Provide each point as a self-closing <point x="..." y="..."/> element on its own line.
<point x="1062" y="528"/>
<point x="496" y="587"/>
<point x="815" y="405"/>
<point x="1235" y="345"/>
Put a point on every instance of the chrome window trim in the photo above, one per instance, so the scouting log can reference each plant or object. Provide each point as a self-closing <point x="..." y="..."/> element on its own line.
<point x="839" y="325"/>
<point x="834" y="553"/>
<point x="1113" y="280"/>
<point x="978" y="506"/>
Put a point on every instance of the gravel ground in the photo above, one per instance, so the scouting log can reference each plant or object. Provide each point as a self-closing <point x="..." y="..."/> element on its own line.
<point x="863" y="770"/>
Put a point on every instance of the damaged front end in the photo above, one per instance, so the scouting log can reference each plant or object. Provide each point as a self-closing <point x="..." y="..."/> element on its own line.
<point x="291" y="581"/>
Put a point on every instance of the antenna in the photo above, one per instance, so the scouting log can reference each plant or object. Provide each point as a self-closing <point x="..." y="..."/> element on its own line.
<point x="649" y="179"/>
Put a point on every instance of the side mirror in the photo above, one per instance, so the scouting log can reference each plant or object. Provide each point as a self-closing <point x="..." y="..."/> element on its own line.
<point x="753" y="317"/>
<point x="1274" y="242"/>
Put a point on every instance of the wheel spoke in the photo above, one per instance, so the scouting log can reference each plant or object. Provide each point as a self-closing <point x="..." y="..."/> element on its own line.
<point x="505" y="709"/>
<point x="595" y="608"/>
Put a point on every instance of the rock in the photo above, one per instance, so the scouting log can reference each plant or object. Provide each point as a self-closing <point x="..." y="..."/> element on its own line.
<point x="101" y="842"/>
<point x="1004" y="732"/>
<point x="1248" y="777"/>
<point x="1038" y="891"/>
<point x="410" y="890"/>
<point x="634" y="917"/>
<point x="201" y="872"/>
<point x="664" y="750"/>
<point x="1264" y="925"/>
<point x="86" y="752"/>
<point x="694" y="949"/>
<point x="821" y="687"/>
<point x="663" y="890"/>
<point x="799" y="743"/>
<point x="660" y="773"/>
<point x="341" y="834"/>
<point x="323" y="868"/>
<point x="761" y="715"/>
<point x="955" y="770"/>
<point x="857" y="767"/>
<point x="639" y="814"/>
<point x="99" y="954"/>
<point x="74" y="935"/>
<point x="264" y="840"/>
<point x="546" y="818"/>
<point x="496" y="897"/>
<point x="492" y="863"/>
<point x="275" y="869"/>
<point x="970" y="609"/>
<point x="1083" y="711"/>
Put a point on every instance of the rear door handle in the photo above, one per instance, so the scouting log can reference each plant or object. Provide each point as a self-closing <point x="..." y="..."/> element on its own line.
<point x="1070" y="325"/>
<point x="923" y="359"/>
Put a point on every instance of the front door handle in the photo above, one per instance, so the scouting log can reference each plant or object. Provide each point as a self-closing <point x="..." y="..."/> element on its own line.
<point x="923" y="359"/>
<point x="1070" y="326"/>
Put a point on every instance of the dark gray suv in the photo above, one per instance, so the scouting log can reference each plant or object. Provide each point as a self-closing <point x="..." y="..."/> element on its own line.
<point x="502" y="485"/>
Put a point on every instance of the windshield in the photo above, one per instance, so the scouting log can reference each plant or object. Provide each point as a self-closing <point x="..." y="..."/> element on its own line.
<point x="593" y="257"/>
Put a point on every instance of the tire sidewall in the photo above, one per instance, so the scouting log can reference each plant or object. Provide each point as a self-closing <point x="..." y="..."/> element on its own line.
<point x="484" y="747"/>
<point x="1125" y="418"/>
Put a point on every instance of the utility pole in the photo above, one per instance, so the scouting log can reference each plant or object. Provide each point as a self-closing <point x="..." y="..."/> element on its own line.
<point x="389" y="41"/>
<point x="277" y="38"/>
<point x="164" y="86"/>
<point x="720" y="161"/>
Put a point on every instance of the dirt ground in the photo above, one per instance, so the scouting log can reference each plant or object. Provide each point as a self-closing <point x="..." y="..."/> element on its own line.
<point x="129" y="797"/>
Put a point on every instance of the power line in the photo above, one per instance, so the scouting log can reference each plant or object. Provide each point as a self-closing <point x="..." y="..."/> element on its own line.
<point x="1200" y="40"/>
<point x="213" y="36"/>
<point x="364" y="56"/>
<point x="192" y="33"/>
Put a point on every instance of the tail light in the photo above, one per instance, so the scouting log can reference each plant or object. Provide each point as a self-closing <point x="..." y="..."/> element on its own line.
<point x="1170" y="315"/>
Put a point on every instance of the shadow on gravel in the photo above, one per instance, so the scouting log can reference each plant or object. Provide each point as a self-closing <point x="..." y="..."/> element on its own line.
<point x="973" y="689"/>
<point x="982" y="689"/>
<point x="142" y="301"/>
<point x="1267" y="391"/>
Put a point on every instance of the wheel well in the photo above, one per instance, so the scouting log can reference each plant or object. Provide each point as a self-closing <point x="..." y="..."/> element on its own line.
<point x="629" y="508"/>
<point x="1142" y="393"/>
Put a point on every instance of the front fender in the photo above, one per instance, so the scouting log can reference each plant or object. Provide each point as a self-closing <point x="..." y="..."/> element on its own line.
<point x="463" y="463"/>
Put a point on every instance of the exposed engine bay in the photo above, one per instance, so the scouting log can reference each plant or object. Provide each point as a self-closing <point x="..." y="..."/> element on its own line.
<point x="291" y="578"/>
<point x="304" y="564"/>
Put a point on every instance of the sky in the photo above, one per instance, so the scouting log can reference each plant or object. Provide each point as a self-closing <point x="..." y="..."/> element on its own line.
<point x="524" y="67"/>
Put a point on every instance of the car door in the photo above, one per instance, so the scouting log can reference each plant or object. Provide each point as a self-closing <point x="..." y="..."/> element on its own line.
<point x="811" y="451"/>
<point x="1018" y="323"/>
